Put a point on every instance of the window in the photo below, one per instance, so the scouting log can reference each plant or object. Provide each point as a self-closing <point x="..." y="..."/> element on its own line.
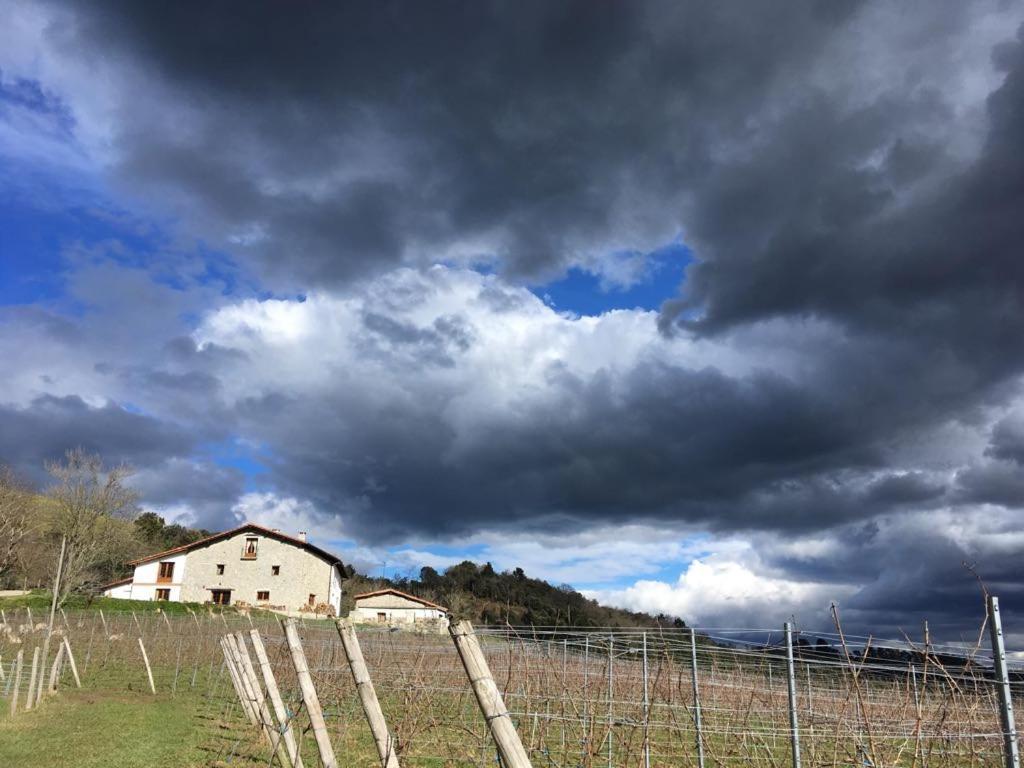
<point x="312" y="600"/>
<point x="275" y="570"/>
<point x="163" y="594"/>
<point x="262" y="594"/>
<point x="220" y="569"/>
<point x="220" y="596"/>
<point x="166" y="572"/>
<point x="381" y="616"/>
<point x="249" y="552"/>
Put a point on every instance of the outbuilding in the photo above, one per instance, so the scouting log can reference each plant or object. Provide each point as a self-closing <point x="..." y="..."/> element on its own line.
<point x="393" y="607"/>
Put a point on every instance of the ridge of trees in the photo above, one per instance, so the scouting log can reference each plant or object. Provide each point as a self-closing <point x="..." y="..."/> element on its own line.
<point x="485" y="596"/>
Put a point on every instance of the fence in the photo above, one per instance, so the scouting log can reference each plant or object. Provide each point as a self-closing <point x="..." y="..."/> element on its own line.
<point x="595" y="698"/>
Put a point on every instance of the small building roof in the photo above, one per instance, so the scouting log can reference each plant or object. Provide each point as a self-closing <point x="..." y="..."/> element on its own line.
<point x="400" y="593"/>
<point x="246" y="527"/>
<point x="117" y="583"/>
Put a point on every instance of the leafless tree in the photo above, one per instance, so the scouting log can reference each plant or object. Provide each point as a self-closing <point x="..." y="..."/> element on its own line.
<point x="87" y="501"/>
<point x="15" y="518"/>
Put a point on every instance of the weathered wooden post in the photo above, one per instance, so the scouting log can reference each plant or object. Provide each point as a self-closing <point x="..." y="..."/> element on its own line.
<point x="16" y="674"/>
<point x="506" y="738"/>
<point x="236" y="681"/>
<point x="275" y="698"/>
<point x="71" y="661"/>
<point x="309" y="697"/>
<point x="31" y="700"/>
<point x="243" y="681"/>
<point x="794" y="726"/>
<point x="1011" y="749"/>
<point x="260" y="703"/>
<point x="149" y="672"/>
<point x="367" y="695"/>
<point x="51" y="684"/>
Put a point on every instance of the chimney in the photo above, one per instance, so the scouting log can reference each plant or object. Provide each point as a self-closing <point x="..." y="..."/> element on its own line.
<point x="301" y="536"/>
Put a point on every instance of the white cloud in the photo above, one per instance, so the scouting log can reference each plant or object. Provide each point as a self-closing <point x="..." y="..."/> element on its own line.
<point x="729" y="587"/>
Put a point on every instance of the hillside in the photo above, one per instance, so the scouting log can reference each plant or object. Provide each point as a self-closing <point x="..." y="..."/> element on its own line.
<point x="485" y="596"/>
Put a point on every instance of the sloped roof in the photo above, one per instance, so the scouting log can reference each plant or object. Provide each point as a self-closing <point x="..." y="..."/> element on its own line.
<point x="400" y="593"/>
<point x="245" y="528"/>
<point x="117" y="583"/>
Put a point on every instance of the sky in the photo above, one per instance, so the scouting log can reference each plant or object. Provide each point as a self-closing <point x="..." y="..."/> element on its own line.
<point x="710" y="309"/>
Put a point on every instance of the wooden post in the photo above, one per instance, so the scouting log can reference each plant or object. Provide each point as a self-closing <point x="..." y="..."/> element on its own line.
<point x="71" y="661"/>
<point x="149" y="672"/>
<point x="104" y="620"/>
<point x="260" y="702"/>
<point x="236" y="681"/>
<point x="51" y="685"/>
<point x="3" y="675"/>
<point x="244" y="688"/>
<point x="275" y="698"/>
<point x="309" y="697"/>
<point x="506" y="738"/>
<point x="16" y="674"/>
<point x="31" y="700"/>
<point x="367" y="695"/>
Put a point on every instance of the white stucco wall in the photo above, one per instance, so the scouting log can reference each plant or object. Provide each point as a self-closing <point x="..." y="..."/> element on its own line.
<point x="144" y="582"/>
<point x="370" y="614"/>
<point x="121" y="591"/>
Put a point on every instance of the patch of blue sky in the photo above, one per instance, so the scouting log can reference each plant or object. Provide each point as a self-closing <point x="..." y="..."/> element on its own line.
<point x="250" y="460"/>
<point x="583" y="292"/>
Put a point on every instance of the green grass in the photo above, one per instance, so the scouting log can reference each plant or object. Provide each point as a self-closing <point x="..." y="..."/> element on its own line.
<point x="39" y="600"/>
<point x="109" y="729"/>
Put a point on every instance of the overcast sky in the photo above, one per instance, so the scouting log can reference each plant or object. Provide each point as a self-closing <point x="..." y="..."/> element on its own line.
<point x="715" y="309"/>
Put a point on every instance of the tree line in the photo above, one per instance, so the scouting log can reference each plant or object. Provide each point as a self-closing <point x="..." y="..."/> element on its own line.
<point x="89" y="506"/>
<point x="485" y="596"/>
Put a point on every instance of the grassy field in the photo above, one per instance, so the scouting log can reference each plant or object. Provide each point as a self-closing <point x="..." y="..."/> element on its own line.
<point x="112" y="729"/>
<point x="574" y="704"/>
<point x="39" y="601"/>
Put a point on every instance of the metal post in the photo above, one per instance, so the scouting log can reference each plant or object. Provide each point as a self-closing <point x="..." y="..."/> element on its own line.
<point x="586" y="693"/>
<point x="647" y="712"/>
<point x="1011" y="750"/>
<point x="696" y="699"/>
<point x="611" y="658"/>
<point x="794" y="727"/>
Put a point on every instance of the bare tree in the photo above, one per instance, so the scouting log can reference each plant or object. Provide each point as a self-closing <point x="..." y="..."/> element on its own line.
<point x="15" y="518"/>
<point x="87" y="501"/>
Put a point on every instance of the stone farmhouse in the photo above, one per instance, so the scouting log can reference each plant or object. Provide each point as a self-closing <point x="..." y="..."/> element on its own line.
<point x="249" y="565"/>
<point x="392" y="607"/>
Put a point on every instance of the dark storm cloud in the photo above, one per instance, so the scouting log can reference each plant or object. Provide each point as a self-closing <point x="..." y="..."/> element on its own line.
<point x="349" y="138"/>
<point x="209" y="491"/>
<point x="46" y="428"/>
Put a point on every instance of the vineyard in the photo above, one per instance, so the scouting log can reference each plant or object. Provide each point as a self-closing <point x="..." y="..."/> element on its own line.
<point x="312" y="692"/>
